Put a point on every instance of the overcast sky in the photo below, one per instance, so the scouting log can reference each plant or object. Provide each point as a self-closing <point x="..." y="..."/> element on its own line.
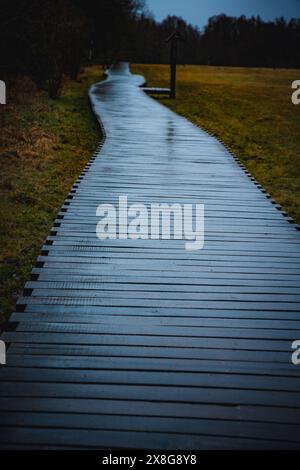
<point x="198" y="11"/>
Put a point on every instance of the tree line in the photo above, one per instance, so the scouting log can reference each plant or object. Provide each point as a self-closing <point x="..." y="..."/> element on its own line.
<point x="225" y="40"/>
<point x="50" y="39"/>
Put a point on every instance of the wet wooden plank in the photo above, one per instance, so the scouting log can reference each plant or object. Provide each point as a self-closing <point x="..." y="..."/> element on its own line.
<point x="129" y="302"/>
<point x="213" y="366"/>
<point x="173" y="426"/>
<point x="89" y="439"/>
<point x="226" y="357"/>
<point x="146" y="408"/>
<point x="237" y="345"/>
<point x="156" y="91"/>
<point x="229" y="396"/>
<point x="201" y="379"/>
<point x="81" y="315"/>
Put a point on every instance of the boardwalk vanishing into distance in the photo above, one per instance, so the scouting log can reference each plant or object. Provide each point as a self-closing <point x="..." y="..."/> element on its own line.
<point x="142" y="344"/>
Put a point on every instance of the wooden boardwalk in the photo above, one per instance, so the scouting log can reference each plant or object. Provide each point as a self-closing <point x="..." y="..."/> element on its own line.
<point x="142" y="344"/>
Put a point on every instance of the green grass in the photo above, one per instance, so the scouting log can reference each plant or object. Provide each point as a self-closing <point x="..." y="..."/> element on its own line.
<point x="250" y="109"/>
<point x="44" y="146"/>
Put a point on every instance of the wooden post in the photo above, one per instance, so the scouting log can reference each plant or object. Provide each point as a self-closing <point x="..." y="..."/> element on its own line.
<point x="173" y="39"/>
<point x="173" y="64"/>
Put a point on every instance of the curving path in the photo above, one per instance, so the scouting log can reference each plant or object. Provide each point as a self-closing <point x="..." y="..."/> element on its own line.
<point x="142" y="344"/>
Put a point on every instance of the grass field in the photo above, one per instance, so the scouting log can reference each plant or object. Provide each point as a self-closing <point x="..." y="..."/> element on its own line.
<point x="44" y="146"/>
<point x="251" y="111"/>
